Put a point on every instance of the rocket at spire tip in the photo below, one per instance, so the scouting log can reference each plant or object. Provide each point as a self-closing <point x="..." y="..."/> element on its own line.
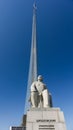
<point x="34" y="6"/>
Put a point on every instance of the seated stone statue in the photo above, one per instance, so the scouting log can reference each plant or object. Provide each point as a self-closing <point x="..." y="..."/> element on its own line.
<point x="40" y="97"/>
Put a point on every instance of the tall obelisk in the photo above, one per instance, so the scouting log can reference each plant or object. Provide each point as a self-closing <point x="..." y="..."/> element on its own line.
<point x="32" y="76"/>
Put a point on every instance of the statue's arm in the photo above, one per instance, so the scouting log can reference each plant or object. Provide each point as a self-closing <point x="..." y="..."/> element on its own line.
<point x="45" y="87"/>
<point x="33" y="87"/>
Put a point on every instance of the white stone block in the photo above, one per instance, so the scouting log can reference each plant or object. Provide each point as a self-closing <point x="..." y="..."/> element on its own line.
<point x="50" y="115"/>
<point x="61" y="117"/>
<point x="60" y="126"/>
<point x="32" y="116"/>
<point x="35" y="126"/>
<point x="29" y="126"/>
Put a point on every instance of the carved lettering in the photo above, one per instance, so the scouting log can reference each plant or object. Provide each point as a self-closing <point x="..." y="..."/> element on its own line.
<point x="45" y="121"/>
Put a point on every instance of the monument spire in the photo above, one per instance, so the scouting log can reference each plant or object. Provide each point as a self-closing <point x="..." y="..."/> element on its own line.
<point x="32" y="76"/>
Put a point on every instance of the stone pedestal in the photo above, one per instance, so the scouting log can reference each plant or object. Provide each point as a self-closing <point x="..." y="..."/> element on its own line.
<point x="45" y="119"/>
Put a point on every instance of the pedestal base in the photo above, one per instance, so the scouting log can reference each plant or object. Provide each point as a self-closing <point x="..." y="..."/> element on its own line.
<point x="45" y="119"/>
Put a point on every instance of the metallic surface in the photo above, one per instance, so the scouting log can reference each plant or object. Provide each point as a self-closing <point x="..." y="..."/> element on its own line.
<point x="32" y="76"/>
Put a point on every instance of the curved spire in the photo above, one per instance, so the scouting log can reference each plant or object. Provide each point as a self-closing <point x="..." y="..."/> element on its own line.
<point x="32" y="76"/>
<point x="34" y="6"/>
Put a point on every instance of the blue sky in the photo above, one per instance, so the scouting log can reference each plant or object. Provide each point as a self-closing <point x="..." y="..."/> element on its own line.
<point x="55" y="55"/>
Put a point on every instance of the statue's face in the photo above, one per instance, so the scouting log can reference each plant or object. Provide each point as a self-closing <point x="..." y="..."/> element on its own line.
<point x="40" y="79"/>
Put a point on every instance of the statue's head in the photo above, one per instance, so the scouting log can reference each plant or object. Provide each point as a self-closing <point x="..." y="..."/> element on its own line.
<point x="40" y="78"/>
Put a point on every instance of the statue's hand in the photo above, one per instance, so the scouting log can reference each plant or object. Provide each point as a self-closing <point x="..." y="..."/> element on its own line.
<point x="40" y="94"/>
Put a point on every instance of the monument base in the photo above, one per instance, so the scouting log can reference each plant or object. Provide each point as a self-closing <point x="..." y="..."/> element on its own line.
<point x="45" y="119"/>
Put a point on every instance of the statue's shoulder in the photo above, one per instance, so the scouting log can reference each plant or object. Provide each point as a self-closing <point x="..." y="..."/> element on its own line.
<point x="34" y="83"/>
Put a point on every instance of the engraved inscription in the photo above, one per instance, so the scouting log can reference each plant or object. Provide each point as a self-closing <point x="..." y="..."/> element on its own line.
<point x="46" y="127"/>
<point x="52" y="121"/>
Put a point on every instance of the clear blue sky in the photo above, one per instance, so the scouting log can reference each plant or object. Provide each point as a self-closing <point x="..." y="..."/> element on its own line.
<point x="55" y="55"/>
